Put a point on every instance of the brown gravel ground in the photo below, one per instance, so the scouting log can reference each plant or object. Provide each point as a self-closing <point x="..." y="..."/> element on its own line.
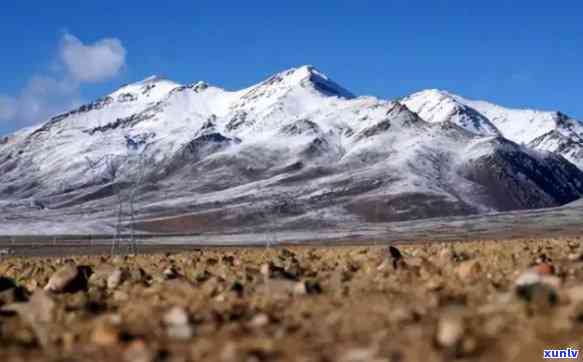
<point x="438" y="302"/>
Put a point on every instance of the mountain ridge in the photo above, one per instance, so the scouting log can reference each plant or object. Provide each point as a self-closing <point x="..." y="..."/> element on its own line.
<point x="296" y="135"/>
<point x="524" y="126"/>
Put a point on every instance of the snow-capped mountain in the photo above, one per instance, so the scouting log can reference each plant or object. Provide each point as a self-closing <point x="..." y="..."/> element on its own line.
<point x="438" y="106"/>
<point x="540" y="130"/>
<point x="297" y="145"/>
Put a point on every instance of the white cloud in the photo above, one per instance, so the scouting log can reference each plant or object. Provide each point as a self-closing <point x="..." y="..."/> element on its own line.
<point x="44" y="96"/>
<point x="40" y="99"/>
<point x="95" y="62"/>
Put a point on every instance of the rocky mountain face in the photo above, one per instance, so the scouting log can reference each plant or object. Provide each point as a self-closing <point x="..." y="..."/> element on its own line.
<point x="296" y="149"/>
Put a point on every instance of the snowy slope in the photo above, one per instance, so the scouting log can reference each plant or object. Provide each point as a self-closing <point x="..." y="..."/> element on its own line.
<point x="541" y="130"/>
<point x="439" y="106"/>
<point x="523" y="125"/>
<point x="297" y="145"/>
<point x="548" y="131"/>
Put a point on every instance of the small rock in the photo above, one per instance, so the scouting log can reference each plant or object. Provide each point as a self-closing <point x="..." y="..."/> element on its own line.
<point x="177" y="323"/>
<point x="434" y="284"/>
<point x="572" y="244"/>
<point x="359" y="355"/>
<point x="69" y="279"/>
<point x="544" y="269"/>
<point x="307" y="287"/>
<point x="99" y="277"/>
<point x="469" y="270"/>
<point x="137" y="351"/>
<point x="105" y="334"/>
<point x="273" y="271"/>
<point x="459" y="256"/>
<point x="139" y="276"/>
<point x="469" y="346"/>
<point x="179" y="332"/>
<point x="212" y="261"/>
<point x="384" y="265"/>
<point x="538" y="293"/>
<point x="238" y="288"/>
<point x="395" y="256"/>
<point x="300" y="288"/>
<point x="38" y="313"/>
<point x="450" y="330"/>
<point x="171" y="273"/>
<point x="39" y="309"/>
<point x="395" y="253"/>
<point x="543" y="259"/>
<point x="293" y="270"/>
<point x="176" y="316"/>
<point x="313" y="287"/>
<point x="6" y="283"/>
<point x="286" y="254"/>
<point x="538" y="275"/>
<point x="528" y="277"/>
<point x="260" y="320"/>
<point x="62" y="278"/>
<point x="533" y="286"/>
<point x="228" y="260"/>
<point x="116" y="277"/>
<point x="10" y="292"/>
<point x="575" y="257"/>
<point x="13" y="295"/>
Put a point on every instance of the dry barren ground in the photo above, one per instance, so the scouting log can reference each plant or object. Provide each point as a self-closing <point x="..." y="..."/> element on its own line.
<point x="474" y="301"/>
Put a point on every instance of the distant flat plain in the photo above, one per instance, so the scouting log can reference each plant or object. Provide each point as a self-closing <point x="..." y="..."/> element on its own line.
<point x="552" y="222"/>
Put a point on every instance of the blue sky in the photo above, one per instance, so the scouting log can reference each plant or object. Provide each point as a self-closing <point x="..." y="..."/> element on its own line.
<point x="516" y="53"/>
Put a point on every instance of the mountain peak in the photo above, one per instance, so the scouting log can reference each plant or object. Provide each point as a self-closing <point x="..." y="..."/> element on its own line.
<point x="152" y="79"/>
<point x="308" y="76"/>
<point x="298" y="74"/>
<point x="439" y="106"/>
<point x="308" y="70"/>
<point x="152" y="85"/>
<point x="434" y="92"/>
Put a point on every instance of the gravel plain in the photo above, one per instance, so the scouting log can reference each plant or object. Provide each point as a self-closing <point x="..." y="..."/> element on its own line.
<point x="503" y="300"/>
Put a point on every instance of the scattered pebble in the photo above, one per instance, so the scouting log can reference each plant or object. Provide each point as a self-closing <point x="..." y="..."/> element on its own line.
<point x="260" y="320"/>
<point x="543" y="269"/>
<point x="10" y="292"/>
<point x="69" y="279"/>
<point x="539" y="286"/>
<point x="137" y="351"/>
<point x="177" y="323"/>
<point x="116" y="277"/>
<point x="450" y="330"/>
<point x="469" y="270"/>
<point x="171" y="273"/>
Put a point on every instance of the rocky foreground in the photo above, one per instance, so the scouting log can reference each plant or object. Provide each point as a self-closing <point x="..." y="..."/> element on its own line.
<point x="483" y="301"/>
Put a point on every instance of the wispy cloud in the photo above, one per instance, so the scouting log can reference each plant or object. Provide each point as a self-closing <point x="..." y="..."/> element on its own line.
<point x="49" y="94"/>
